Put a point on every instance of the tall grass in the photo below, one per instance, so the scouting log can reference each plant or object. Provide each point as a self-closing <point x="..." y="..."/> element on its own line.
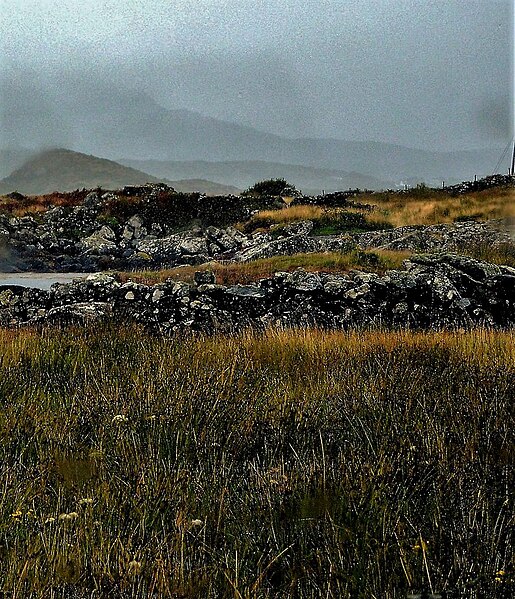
<point x="287" y="464"/>
<point x="422" y="206"/>
<point x="438" y="207"/>
<point x="326" y="220"/>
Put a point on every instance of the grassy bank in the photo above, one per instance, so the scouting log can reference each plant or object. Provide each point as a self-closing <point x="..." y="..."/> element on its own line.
<point x="290" y="464"/>
<point x="421" y="206"/>
<point x="425" y="206"/>
<point x="247" y="272"/>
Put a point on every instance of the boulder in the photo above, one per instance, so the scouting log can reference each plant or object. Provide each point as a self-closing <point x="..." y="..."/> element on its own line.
<point x="204" y="277"/>
<point x="101" y="242"/>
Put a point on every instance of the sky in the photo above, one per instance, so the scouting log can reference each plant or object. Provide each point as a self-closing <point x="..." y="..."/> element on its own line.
<point x="427" y="74"/>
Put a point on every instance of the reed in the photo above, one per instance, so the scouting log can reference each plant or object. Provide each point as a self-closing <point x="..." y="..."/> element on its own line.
<point x="284" y="464"/>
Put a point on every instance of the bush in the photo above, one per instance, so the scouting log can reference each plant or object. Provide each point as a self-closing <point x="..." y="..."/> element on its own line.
<point x="339" y="222"/>
<point x="272" y="187"/>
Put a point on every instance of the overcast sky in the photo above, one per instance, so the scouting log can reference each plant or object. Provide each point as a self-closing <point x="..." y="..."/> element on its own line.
<point x="422" y="73"/>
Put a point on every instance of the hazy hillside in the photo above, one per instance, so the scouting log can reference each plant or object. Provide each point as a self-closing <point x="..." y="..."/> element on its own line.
<point x="65" y="170"/>
<point x="310" y="180"/>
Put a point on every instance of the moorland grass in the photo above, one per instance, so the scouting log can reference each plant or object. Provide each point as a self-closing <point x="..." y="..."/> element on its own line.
<point x="285" y="464"/>
<point x="247" y="272"/>
<point x="422" y="206"/>
<point x="435" y="207"/>
<point x="326" y="221"/>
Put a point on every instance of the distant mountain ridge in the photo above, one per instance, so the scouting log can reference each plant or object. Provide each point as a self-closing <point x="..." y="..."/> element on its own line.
<point x="243" y="174"/>
<point x="135" y="127"/>
<point x="66" y="170"/>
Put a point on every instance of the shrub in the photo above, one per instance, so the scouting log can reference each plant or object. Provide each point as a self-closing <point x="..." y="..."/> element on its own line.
<point x="272" y="187"/>
<point x="334" y="222"/>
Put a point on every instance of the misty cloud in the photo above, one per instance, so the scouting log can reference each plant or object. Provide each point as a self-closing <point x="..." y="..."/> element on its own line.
<point x="30" y="113"/>
<point x="495" y="118"/>
<point x="428" y="75"/>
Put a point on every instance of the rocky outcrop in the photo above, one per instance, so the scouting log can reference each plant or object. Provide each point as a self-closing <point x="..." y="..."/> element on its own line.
<point x="152" y="226"/>
<point x="81" y="239"/>
<point x="435" y="238"/>
<point x="432" y="291"/>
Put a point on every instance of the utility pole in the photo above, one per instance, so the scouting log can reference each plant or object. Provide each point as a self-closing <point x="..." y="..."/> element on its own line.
<point x="512" y="170"/>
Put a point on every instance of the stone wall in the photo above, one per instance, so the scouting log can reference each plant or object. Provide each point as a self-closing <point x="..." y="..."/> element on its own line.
<point x="432" y="291"/>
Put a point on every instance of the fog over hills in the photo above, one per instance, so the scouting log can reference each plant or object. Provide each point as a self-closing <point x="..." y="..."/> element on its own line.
<point x="399" y="91"/>
<point x="133" y="127"/>
<point x="310" y="180"/>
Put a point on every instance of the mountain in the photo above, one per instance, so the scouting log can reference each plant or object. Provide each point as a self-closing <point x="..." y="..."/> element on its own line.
<point x="114" y="122"/>
<point x="310" y="180"/>
<point x="65" y="170"/>
<point x="136" y="127"/>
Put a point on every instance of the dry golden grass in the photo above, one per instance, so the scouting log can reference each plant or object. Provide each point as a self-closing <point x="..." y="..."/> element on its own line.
<point x="402" y="210"/>
<point x="247" y="272"/>
<point x="292" y="214"/>
<point x="422" y="207"/>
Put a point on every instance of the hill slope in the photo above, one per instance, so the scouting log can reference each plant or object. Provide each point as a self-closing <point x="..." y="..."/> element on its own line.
<point x="65" y="170"/>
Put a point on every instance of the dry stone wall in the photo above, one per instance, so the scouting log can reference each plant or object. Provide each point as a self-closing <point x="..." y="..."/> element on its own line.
<point x="432" y="291"/>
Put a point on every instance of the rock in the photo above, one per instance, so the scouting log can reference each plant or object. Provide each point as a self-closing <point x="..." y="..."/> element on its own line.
<point x="79" y="313"/>
<point x="335" y="285"/>
<point x="157" y="295"/>
<point x="93" y="200"/>
<point x="280" y="247"/>
<point x="221" y="239"/>
<point x="100" y="278"/>
<point x="358" y="292"/>
<point x="300" y="228"/>
<point x="193" y="246"/>
<point x="204" y="277"/>
<point x="134" y="229"/>
<point x="101" y="242"/>
<point x="246" y="291"/>
<point x="236" y="235"/>
<point x="434" y="238"/>
<point x="300" y="280"/>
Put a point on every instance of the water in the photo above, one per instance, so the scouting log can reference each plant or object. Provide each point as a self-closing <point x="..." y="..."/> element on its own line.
<point x="39" y="280"/>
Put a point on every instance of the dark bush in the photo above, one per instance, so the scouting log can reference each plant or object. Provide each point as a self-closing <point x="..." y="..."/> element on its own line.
<point x="272" y="187"/>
